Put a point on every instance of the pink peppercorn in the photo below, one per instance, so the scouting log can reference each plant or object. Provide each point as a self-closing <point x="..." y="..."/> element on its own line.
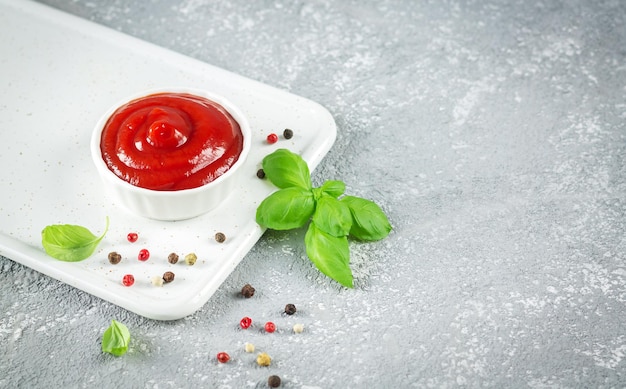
<point x="143" y="255"/>
<point x="223" y="357"/>
<point x="128" y="280"/>
<point x="245" y="323"/>
<point x="272" y="138"/>
<point x="270" y="327"/>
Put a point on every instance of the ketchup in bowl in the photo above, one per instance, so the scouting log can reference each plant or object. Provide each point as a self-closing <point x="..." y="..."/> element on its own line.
<point x="170" y="141"/>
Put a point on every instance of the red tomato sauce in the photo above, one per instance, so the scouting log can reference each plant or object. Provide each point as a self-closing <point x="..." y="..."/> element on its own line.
<point x="171" y="141"/>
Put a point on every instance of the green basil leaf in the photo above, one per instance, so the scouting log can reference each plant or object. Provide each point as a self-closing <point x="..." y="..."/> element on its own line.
<point x="369" y="221"/>
<point x="332" y="216"/>
<point x="330" y="254"/>
<point x="286" y="209"/>
<point x="286" y="169"/>
<point x="334" y="188"/>
<point x="115" y="339"/>
<point x="70" y="243"/>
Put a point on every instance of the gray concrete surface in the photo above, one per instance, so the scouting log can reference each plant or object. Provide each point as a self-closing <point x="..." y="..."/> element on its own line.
<point x="492" y="133"/>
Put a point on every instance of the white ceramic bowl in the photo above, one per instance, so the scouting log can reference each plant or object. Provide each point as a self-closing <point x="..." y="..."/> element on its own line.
<point x="176" y="204"/>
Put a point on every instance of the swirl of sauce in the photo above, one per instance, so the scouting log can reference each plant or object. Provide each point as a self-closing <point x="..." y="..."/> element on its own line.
<point x="170" y="141"/>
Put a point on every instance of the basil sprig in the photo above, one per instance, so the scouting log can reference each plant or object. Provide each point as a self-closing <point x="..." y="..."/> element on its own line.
<point x="332" y="217"/>
<point x="115" y="339"/>
<point x="70" y="243"/>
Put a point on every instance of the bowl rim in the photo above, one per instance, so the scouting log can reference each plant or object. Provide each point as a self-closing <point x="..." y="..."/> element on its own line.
<point x="230" y="107"/>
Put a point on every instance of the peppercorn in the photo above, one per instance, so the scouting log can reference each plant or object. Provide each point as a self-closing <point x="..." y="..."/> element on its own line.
<point x="128" y="280"/>
<point x="298" y="328"/>
<point x="157" y="281"/>
<point x="143" y="255"/>
<point x="288" y="134"/>
<point x="132" y="237"/>
<point x="245" y="322"/>
<point x="249" y="347"/>
<point x="273" y="381"/>
<point x="190" y="259"/>
<point x="172" y="258"/>
<point x="263" y="359"/>
<point x="247" y="291"/>
<point x="260" y="173"/>
<point x="270" y="327"/>
<point x="272" y="138"/>
<point x="168" y="277"/>
<point x="220" y="237"/>
<point x="290" y="309"/>
<point x="114" y="258"/>
<point x="223" y="357"/>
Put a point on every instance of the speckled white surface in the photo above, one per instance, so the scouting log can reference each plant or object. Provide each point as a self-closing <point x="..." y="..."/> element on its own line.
<point x="492" y="133"/>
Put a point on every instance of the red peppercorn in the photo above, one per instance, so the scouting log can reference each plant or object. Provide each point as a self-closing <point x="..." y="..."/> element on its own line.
<point x="132" y="237"/>
<point x="223" y="357"/>
<point x="245" y="323"/>
<point x="270" y="327"/>
<point x="128" y="280"/>
<point x="272" y="138"/>
<point x="143" y="255"/>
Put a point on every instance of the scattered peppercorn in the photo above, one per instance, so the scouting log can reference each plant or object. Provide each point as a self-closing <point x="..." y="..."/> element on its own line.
<point x="273" y="381"/>
<point x="114" y="258"/>
<point x="132" y="237"/>
<point x="245" y="323"/>
<point x="190" y="259"/>
<point x="223" y="357"/>
<point x="298" y="328"/>
<point x="143" y="255"/>
<point x="168" y="277"/>
<point x="290" y="309"/>
<point x="249" y="347"/>
<point x="157" y="281"/>
<point x="263" y="359"/>
<point x="260" y="173"/>
<point x="272" y="138"/>
<point x="128" y="280"/>
<point x="220" y="237"/>
<point x="270" y="327"/>
<point x="172" y="258"/>
<point x="247" y="291"/>
<point x="288" y="134"/>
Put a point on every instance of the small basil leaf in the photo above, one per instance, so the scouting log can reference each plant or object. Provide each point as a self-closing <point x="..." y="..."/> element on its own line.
<point x="70" y="243"/>
<point x="330" y="254"/>
<point x="286" y="209"/>
<point x="115" y="339"/>
<point x="332" y="216"/>
<point x="286" y="169"/>
<point x="334" y="188"/>
<point x="369" y="221"/>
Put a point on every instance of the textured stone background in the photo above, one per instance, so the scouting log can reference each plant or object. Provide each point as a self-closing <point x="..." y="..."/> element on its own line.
<point x="491" y="132"/>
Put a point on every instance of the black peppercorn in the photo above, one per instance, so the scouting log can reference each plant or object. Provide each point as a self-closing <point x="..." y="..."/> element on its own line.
<point x="168" y="277"/>
<point x="273" y="381"/>
<point x="114" y="258"/>
<point x="290" y="309"/>
<point x="260" y="173"/>
<point x="288" y="134"/>
<point x="247" y="291"/>
<point x="172" y="258"/>
<point x="220" y="237"/>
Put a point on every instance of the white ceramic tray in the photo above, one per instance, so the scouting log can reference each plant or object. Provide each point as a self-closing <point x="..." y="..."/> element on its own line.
<point x="59" y="73"/>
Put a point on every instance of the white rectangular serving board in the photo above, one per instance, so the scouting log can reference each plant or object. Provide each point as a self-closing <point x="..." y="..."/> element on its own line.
<point x="59" y="74"/>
